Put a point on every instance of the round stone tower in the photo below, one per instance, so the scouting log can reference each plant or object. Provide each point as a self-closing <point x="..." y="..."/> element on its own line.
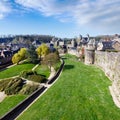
<point x="90" y="52"/>
<point x="89" y="56"/>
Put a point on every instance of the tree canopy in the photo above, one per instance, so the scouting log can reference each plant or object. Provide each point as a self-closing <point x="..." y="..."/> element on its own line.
<point x="22" y="52"/>
<point x="42" y="50"/>
<point x="32" y="55"/>
<point x="19" y="56"/>
<point x="51" y="59"/>
<point x="16" y="58"/>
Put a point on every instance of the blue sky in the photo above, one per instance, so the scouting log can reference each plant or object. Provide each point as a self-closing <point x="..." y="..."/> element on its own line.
<point x="61" y="18"/>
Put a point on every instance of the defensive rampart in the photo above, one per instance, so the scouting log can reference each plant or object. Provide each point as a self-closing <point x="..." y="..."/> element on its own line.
<point x="110" y="64"/>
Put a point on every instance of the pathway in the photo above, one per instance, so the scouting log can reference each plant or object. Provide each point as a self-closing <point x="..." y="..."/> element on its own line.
<point x="2" y="96"/>
<point x="46" y="85"/>
<point x="16" y="112"/>
<point x="52" y="73"/>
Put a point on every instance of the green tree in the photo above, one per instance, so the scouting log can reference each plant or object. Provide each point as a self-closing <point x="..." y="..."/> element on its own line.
<point x="45" y="49"/>
<point x="16" y="58"/>
<point x="32" y="55"/>
<point x="39" y="51"/>
<point x="22" y="53"/>
<point x="51" y="59"/>
<point x="19" y="56"/>
<point x="42" y="50"/>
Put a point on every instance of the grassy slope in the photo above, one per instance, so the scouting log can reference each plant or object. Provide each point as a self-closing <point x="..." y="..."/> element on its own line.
<point x="81" y="93"/>
<point x="43" y="70"/>
<point x="10" y="102"/>
<point x="14" y="71"/>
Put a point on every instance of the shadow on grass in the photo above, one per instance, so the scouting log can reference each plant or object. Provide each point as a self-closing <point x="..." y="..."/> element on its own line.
<point x="64" y="58"/>
<point x="42" y="75"/>
<point x="68" y="67"/>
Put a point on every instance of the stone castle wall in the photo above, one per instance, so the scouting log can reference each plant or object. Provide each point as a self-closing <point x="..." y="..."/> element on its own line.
<point x="89" y="56"/>
<point x="110" y="63"/>
<point x="73" y="52"/>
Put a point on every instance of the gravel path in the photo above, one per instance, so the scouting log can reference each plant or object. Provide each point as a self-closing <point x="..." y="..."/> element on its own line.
<point x="2" y="96"/>
<point x="45" y="85"/>
<point x="52" y="73"/>
<point x="116" y="101"/>
<point x="35" y="67"/>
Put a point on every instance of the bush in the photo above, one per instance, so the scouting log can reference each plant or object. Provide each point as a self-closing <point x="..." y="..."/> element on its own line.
<point x="33" y="76"/>
<point x="25" y="74"/>
<point x="29" y="89"/>
<point x="14" y="86"/>
<point x="3" y="84"/>
<point x="37" y="78"/>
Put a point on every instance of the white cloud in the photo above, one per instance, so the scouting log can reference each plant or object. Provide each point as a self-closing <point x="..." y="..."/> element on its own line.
<point x="83" y="12"/>
<point x="5" y="8"/>
<point x="47" y="7"/>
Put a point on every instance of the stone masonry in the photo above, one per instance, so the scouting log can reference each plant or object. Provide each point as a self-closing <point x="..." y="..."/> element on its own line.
<point x="110" y="63"/>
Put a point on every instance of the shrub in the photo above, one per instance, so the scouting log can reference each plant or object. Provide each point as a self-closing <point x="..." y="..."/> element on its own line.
<point x="29" y="73"/>
<point x="29" y="89"/>
<point x="3" y="84"/>
<point x="25" y="74"/>
<point x="14" y="86"/>
<point x="33" y="76"/>
<point x="37" y="78"/>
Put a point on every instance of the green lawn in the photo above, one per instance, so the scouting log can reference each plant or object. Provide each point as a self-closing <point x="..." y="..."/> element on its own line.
<point x="15" y="70"/>
<point x="43" y="70"/>
<point x="81" y="93"/>
<point x="9" y="102"/>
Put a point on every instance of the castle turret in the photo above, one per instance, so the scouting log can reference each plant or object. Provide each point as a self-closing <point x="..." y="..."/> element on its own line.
<point x="90" y="52"/>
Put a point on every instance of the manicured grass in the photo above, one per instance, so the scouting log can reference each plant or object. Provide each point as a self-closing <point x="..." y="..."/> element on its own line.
<point x="81" y="93"/>
<point x="9" y="102"/>
<point x="43" y="70"/>
<point x="15" y="70"/>
<point x="57" y="66"/>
